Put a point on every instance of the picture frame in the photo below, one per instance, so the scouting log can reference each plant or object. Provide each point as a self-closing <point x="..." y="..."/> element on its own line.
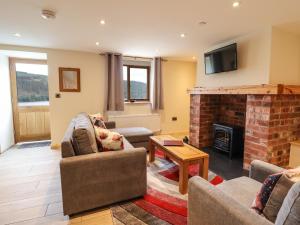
<point x="69" y="79"/>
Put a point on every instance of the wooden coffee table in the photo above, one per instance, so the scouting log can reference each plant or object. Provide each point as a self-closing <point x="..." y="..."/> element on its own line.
<point x="183" y="155"/>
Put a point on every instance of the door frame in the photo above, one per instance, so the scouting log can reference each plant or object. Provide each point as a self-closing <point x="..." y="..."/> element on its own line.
<point x="13" y="88"/>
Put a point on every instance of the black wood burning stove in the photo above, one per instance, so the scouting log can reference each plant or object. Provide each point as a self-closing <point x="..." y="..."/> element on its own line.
<point x="228" y="138"/>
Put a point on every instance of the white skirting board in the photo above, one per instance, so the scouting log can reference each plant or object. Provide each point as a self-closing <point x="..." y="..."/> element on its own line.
<point x="150" y="121"/>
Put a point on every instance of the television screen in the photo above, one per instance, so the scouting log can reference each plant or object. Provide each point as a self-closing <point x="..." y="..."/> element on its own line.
<point x="221" y="60"/>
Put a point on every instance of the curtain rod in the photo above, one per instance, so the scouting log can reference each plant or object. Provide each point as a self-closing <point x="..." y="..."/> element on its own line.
<point x="136" y="57"/>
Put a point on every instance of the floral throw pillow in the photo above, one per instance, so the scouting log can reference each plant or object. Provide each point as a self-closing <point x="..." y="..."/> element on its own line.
<point x="110" y="141"/>
<point x="97" y="120"/>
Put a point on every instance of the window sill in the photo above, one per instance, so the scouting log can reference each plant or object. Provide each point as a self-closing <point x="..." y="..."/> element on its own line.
<point x="138" y="102"/>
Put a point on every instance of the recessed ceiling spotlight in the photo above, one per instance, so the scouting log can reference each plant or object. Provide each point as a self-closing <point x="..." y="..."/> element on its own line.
<point x="102" y="22"/>
<point x="48" y="14"/>
<point x="182" y="35"/>
<point x="236" y="4"/>
<point x="17" y="35"/>
<point x="201" y="23"/>
<point x="97" y="43"/>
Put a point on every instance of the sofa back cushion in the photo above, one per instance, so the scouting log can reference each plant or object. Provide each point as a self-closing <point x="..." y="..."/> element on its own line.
<point x="67" y="149"/>
<point x="289" y="213"/>
<point x="84" y="139"/>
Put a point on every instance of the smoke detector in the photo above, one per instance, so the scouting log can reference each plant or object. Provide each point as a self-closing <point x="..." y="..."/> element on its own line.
<point x="48" y="14"/>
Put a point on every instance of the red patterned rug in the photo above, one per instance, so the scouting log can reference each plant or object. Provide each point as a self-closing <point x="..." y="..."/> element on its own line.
<point x="161" y="204"/>
<point x="173" y="172"/>
<point x="154" y="208"/>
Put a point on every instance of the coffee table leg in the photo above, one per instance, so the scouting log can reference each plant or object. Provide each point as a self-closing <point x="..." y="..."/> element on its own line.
<point x="183" y="178"/>
<point x="203" y="168"/>
<point x="151" y="151"/>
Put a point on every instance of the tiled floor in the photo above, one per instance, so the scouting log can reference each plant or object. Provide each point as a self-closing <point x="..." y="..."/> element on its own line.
<point x="30" y="191"/>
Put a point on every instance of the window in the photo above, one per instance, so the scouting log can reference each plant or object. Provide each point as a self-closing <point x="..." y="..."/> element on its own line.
<point x="32" y="84"/>
<point x="136" y="83"/>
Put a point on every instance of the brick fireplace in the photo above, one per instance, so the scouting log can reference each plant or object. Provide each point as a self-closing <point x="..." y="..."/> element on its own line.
<point x="270" y="115"/>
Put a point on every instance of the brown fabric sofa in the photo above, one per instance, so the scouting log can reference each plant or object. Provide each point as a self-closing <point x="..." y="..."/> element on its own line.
<point x="98" y="179"/>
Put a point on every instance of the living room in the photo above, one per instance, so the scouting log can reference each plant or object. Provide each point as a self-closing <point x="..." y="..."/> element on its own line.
<point x="121" y="112"/>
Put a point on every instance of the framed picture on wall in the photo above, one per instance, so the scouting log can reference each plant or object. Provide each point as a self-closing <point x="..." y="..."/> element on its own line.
<point x="69" y="79"/>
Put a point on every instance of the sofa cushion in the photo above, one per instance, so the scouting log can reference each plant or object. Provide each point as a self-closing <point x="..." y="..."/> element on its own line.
<point x="264" y="194"/>
<point x="127" y="145"/>
<point x="243" y="189"/>
<point x="109" y="140"/>
<point x="135" y="134"/>
<point x="82" y="141"/>
<point x="289" y="213"/>
<point x="83" y="122"/>
<point x="67" y="149"/>
<point x="277" y="197"/>
<point x="97" y="120"/>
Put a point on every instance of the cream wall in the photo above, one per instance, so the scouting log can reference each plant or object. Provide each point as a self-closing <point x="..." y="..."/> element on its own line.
<point x="90" y="99"/>
<point x="178" y="76"/>
<point x="6" y="115"/>
<point x="285" y="58"/>
<point x="253" y="62"/>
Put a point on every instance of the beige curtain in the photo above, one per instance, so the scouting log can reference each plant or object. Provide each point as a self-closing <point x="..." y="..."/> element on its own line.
<point x="115" y="93"/>
<point x="157" y="87"/>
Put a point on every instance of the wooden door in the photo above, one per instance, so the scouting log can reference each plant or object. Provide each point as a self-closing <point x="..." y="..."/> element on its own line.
<point x="30" y="99"/>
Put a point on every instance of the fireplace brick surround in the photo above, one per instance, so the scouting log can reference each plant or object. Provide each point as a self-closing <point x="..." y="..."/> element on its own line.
<point x="271" y="121"/>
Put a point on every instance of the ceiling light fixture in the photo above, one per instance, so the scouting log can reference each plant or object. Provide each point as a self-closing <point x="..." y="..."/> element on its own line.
<point x="48" y="14"/>
<point x="182" y="35"/>
<point x="201" y="23"/>
<point x="97" y="43"/>
<point x="102" y="22"/>
<point x="236" y="4"/>
<point x="17" y="35"/>
<point x="194" y="57"/>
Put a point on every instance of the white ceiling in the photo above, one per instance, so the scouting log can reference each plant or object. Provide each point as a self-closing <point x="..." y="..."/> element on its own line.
<point x="138" y="27"/>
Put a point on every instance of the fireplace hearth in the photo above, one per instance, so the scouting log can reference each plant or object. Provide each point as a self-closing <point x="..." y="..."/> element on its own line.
<point x="228" y="138"/>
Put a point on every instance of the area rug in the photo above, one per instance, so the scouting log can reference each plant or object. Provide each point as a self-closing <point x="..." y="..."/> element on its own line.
<point x="163" y="204"/>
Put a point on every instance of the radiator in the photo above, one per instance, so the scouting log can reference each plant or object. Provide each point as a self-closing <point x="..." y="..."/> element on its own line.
<point x="150" y="121"/>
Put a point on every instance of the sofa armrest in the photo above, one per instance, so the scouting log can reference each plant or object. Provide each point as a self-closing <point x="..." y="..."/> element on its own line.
<point x="110" y="124"/>
<point x="209" y="205"/>
<point x="260" y="170"/>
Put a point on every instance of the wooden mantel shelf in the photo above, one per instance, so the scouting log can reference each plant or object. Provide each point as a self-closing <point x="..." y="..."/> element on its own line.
<point x="249" y="90"/>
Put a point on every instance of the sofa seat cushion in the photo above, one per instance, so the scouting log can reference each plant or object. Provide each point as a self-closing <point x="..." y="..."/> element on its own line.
<point x="126" y="143"/>
<point x="242" y="189"/>
<point x="135" y="134"/>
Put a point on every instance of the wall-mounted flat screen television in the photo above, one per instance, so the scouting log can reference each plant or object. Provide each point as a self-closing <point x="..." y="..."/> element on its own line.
<point x="221" y="60"/>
